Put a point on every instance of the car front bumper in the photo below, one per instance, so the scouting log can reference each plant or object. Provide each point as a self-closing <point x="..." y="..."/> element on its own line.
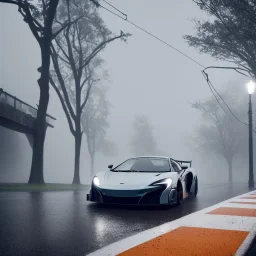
<point x="158" y="195"/>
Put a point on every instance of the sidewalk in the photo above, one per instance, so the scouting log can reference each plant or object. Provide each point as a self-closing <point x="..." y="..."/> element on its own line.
<point x="224" y="229"/>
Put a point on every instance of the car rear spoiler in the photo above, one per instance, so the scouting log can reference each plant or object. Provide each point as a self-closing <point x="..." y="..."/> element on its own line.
<point x="181" y="162"/>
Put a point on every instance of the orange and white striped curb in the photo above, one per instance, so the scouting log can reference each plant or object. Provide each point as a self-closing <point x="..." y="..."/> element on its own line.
<point x="223" y="229"/>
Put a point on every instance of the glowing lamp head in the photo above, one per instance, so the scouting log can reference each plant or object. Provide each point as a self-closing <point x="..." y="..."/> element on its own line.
<point x="251" y="87"/>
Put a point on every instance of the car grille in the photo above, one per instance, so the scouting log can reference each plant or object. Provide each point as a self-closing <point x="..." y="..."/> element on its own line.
<point x="120" y="200"/>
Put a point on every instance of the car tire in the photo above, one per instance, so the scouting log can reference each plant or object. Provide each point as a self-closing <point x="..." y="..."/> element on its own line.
<point x="179" y="195"/>
<point x="196" y="187"/>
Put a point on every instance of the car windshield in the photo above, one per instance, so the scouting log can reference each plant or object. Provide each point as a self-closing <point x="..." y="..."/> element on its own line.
<point x="144" y="164"/>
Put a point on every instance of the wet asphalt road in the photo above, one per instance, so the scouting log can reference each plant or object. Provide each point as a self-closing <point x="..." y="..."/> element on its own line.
<point x="63" y="223"/>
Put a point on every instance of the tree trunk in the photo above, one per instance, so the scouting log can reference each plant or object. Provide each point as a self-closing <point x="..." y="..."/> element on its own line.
<point x="36" y="173"/>
<point x="78" y="142"/>
<point x="78" y="134"/>
<point x="230" y="171"/>
<point x="92" y="164"/>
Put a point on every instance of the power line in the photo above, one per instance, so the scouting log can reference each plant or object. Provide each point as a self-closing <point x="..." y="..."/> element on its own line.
<point x="115" y="8"/>
<point x="166" y="44"/>
<point x="212" y="88"/>
<point x="144" y="30"/>
<point x="210" y="84"/>
<point x="232" y="113"/>
<point x="112" y="12"/>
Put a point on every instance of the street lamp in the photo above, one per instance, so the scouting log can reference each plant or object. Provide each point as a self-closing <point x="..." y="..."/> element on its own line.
<point x="251" y="88"/>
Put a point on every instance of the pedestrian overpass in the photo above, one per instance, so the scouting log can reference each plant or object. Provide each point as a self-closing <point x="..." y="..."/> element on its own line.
<point x="19" y="116"/>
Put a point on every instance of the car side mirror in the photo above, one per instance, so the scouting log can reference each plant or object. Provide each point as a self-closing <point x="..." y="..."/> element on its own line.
<point x="184" y="167"/>
<point x="110" y="166"/>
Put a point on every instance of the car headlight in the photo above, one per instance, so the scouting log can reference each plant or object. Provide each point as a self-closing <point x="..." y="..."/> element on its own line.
<point x="96" y="181"/>
<point x="167" y="182"/>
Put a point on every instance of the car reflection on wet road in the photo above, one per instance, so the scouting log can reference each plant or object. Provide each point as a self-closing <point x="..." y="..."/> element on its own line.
<point x="63" y="223"/>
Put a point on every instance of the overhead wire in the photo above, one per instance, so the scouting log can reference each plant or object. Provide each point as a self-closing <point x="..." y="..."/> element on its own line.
<point x="230" y="110"/>
<point x="212" y="88"/>
<point x="144" y="30"/>
<point x="115" y="8"/>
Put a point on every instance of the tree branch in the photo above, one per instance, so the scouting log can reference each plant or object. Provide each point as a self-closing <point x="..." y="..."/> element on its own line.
<point x="28" y="18"/>
<point x="73" y="42"/>
<point x="65" y="61"/>
<point x="62" y="83"/>
<point x="51" y="11"/>
<point x="44" y="10"/>
<point x="241" y="39"/>
<point x="83" y="83"/>
<point x="90" y="83"/>
<point x="61" y="48"/>
<point x="70" y="53"/>
<point x="99" y="48"/>
<point x="233" y="68"/>
<point x="18" y="3"/>
<point x="63" y="106"/>
<point x="65" y="25"/>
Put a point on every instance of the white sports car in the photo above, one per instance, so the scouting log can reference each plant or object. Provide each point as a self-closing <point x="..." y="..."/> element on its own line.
<point x="147" y="180"/>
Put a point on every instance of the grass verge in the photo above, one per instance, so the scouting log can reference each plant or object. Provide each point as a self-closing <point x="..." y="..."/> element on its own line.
<point x="41" y="187"/>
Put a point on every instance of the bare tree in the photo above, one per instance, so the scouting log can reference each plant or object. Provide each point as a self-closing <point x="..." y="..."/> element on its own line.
<point x="95" y="124"/>
<point x="220" y="134"/>
<point x="74" y="60"/>
<point x="39" y="15"/>
<point x="143" y="141"/>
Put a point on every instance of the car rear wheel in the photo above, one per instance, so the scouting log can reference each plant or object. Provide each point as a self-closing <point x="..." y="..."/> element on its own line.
<point x="196" y="188"/>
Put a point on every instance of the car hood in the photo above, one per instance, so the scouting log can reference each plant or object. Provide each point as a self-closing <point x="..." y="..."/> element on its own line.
<point x="131" y="180"/>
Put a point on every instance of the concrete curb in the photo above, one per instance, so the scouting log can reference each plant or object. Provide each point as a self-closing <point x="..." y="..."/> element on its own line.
<point x="234" y="216"/>
<point x="246" y="245"/>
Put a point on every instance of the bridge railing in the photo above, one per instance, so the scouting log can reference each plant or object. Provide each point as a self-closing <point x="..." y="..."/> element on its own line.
<point x="20" y="105"/>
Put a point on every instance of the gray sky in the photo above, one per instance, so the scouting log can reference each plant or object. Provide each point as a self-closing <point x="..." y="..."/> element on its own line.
<point x="146" y="77"/>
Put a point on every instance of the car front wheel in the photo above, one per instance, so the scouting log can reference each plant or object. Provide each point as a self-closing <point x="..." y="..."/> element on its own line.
<point x="179" y="194"/>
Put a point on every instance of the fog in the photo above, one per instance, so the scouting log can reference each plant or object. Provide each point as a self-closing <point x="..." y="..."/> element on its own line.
<point x="145" y="77"/>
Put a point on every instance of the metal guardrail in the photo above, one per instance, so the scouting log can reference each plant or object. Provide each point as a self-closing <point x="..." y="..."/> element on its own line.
<point x="22" y="106"/>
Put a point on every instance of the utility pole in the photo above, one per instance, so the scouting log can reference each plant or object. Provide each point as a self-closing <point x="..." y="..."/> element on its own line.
<point x="251" y="87"/>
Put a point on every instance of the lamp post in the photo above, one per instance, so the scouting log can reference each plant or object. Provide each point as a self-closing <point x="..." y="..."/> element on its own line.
<point x="251" y="88"/>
